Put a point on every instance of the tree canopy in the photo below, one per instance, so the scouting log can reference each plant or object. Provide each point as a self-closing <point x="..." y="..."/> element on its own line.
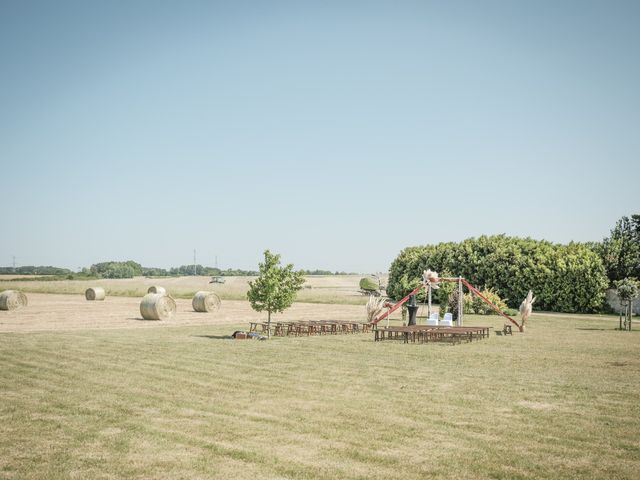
<point x="620" y="252"/>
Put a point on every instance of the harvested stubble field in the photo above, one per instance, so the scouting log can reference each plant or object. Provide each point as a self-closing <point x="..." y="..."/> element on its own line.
<point x="59" y="313"/>
<point x="341" y="289"/>
<point x="89" y="391"/>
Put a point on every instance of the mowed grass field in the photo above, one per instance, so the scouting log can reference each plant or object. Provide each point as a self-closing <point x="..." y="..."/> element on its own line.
<point x="182" y="401"/>
<point x="341" y="289"/>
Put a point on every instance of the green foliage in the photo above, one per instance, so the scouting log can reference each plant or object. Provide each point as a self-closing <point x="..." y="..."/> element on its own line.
<point x="154" y="272"/>
<point x="128" y="269"/>
<point x="443" y="294"/>
<point x="238" y="272"/>
<point x="188" y="270"/>
<point x="231" y="272"/>
<point x="474" y="305"/>
<point x="275" y="288"/>
<point x="200" y="270"/>
<point x="368" y="284"/>
<point x="468" y="304"/>
<point x="453" y="303"/>
<point x="480" y="307"/>
<point x="621" y="251"/>
<point x="627" y="289"/>
<point x="567" y="278"/>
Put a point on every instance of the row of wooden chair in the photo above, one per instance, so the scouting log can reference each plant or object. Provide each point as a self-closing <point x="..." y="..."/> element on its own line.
<point x="312" y="327"/>
<point x="429" y="333"/>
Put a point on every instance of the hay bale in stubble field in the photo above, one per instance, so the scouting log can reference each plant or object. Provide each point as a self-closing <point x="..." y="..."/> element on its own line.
<point x="157" y="306"/>
<point x="94" y="293"/>
<point x="12" y="299"/>
<point x="157" y="289"/>
<point x="204" y="301"/>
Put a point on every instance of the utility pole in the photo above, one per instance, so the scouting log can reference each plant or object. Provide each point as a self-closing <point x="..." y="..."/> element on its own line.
<point x="194" y="263"/>
<point x="14" y="264"/>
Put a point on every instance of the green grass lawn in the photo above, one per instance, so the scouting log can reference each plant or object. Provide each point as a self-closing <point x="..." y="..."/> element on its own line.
<point x="560" y="401"/>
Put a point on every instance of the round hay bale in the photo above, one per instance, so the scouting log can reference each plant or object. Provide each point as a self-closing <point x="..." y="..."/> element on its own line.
<point x="94" y="293"/>
<point x="157" y="289"/>
<point x="12" y="299"/>
<point x="157" y="306"/>
<point x="204" y="301"/>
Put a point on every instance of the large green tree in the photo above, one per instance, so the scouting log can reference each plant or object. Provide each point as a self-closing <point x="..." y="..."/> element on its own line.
<point x="621" y="251"/>
<point x="275" y="288"/>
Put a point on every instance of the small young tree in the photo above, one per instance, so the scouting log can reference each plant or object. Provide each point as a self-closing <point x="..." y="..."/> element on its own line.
<point x="627" y="293"/>
<point x="275" y="288"/>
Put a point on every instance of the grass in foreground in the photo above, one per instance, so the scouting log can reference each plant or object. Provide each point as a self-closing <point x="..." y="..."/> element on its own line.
<point x="560" y="401"/>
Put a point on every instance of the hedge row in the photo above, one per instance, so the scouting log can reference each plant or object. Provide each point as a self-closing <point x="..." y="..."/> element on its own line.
<point x="564" y="278"/>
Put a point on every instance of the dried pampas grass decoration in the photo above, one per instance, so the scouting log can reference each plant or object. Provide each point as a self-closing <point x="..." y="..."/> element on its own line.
<point x="430" y="279"/>
<point x="375" y="305"/>
<point x="526" y="308"/>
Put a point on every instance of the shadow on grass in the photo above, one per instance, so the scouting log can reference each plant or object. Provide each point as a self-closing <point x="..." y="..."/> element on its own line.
<point x="598" y="329"/>
<point x="140" y="319"/>
<point x="214" y="337"/>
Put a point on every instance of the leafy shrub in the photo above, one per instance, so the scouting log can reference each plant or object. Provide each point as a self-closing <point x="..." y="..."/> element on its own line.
<point x="480" y="307"/>
<point x="453" y="303"/>
<point x="368" y="284"/>
<point x="566" y="278"/>
<point x="468" y="304"/>
<point x="475" y="305"/>
<point x="443" y="294"/>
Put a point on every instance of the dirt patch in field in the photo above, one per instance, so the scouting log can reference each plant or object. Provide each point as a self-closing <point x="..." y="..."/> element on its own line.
<point x="49" y="312"/>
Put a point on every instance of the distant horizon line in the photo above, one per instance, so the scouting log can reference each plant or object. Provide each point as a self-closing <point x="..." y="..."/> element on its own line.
<point x="325" y="271"/>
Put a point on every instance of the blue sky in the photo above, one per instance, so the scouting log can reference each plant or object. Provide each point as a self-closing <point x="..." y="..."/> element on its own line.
<point x="334" y="133"/>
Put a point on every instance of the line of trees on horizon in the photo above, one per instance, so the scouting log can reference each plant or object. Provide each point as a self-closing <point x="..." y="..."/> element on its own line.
<point x="130" y="269"/>
<point x="35" y="270"/>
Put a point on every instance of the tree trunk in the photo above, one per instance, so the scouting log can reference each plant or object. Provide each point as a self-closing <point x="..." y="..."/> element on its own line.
<point x="620" y="317"/>
<point x="269" y="324"/>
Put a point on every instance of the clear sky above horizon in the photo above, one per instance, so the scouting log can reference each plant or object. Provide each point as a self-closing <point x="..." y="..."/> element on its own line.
<point x="334" y="133"/>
